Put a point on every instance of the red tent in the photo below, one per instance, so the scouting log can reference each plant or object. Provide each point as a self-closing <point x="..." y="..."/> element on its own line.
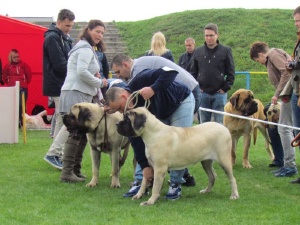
<point x="28" y="39"/>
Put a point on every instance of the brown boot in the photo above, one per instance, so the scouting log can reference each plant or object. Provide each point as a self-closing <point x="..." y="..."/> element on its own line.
<point x="78" y="158"/>
<point x="68" y="161"/>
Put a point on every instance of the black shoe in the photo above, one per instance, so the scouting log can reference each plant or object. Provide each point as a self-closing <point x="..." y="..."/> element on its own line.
<point x="274" y="165"/>
<point x="297" y="181"/>
<point x="189" y="181"/>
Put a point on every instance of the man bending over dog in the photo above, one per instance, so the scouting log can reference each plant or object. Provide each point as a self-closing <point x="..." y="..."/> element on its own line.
<point x="170" y="101"/>
<point x="127" y="68"/>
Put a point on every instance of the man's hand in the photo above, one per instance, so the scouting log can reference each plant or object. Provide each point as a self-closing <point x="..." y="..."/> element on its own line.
<point x="146" y="92"/>
<point x="274" y="100"/>
<point x="148" y="173"/>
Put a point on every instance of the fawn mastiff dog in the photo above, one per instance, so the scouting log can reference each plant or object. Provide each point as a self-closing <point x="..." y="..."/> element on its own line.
<point x="102" y="136"/>
<point x="173" y="148"/>
<point x="242" y="103"/>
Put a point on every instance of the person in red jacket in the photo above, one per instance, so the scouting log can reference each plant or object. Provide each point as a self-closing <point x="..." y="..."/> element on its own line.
<point x="17" y="70"/>
<point x="1" y="81"/>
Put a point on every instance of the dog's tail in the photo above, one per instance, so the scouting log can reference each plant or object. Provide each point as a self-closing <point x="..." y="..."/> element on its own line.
<point x="125" y="154"/>
<point x="254" y="134"/>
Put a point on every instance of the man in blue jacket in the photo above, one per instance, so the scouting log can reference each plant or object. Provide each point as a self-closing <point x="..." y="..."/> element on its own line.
<point x="213" y="68"/>
<point x="127" y="68"/>
<point x="57" y="44"/>
<point x="171" y="102"/>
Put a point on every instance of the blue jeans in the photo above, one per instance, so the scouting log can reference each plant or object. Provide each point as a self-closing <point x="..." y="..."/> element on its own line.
<point x="296" y="112"/>
<point x="216" y="102"/>
<point x="182" y="117"/>
<point x="197" y="96"/>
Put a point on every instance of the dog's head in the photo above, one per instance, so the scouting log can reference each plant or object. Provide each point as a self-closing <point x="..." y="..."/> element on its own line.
<point x="243" y="100"/>
<point x="273" y="113"/>
<point x="133" y="123"/>
<point x="84" y="117"/>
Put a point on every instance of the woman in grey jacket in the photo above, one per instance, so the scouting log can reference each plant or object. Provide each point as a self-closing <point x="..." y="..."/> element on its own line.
<point x="80" y="85"/>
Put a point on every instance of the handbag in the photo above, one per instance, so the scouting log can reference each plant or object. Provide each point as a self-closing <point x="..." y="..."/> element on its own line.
<point x="286" y="93"/>
<point x="51" y="103"/>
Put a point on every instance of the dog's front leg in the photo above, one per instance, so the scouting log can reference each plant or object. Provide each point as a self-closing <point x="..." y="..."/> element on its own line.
<point x="114" y="157"/>
<point x="159" y="175"/>
<point x="263" y="130"/>
<point x="247" y="142"/>
<point x="96" y="157"/>
<point x="142" y="189"/>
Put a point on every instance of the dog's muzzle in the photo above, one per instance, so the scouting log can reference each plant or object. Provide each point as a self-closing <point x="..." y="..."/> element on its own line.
<point x="72" y="124"/>
<point x="124" y="127"/>
<point x="253" y="107"/>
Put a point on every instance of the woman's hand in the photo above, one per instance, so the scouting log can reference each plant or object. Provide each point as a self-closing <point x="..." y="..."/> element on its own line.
<point x="97" y="75"/>
<point x="104" y="82"/>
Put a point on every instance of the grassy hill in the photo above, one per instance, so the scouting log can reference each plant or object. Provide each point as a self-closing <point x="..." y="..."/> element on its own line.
<point x="238" y="28"/>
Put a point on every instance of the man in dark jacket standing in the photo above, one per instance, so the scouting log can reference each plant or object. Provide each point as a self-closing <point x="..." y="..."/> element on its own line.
<point x="185" y="59"/>
<point x="213" y="67"/>
<point x="57" y="45"/>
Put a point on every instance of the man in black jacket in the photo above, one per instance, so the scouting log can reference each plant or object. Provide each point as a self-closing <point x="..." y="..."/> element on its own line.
<point x="57" y="45"/>
<point x="213" y="67"/>
<point x="185" y="59"/>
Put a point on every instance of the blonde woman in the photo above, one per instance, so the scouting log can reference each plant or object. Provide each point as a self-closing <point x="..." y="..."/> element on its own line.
<point x="17" y="70"/>
<point x="158" y="47"/>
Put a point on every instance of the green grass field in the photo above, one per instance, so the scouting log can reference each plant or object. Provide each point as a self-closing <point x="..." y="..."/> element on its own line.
<point x="31" y="192"/>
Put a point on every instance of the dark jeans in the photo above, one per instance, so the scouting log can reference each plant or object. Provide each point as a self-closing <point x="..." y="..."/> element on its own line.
<point x="276" y="145"/>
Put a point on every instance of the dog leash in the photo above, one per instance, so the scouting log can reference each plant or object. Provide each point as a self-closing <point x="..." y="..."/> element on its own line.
<point x="132" y="97"/>
<point x="105" y="147"/>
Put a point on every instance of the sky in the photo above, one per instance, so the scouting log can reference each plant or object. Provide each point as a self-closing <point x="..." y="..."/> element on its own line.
<point x="128" y="10"/>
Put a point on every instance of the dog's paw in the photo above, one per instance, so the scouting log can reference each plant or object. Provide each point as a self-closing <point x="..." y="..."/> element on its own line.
<point x="247" y="165"/>
<point x="204" y="191"/>
<point x="113" y="185"/>
<point x="147" y="203"/>
<point x="137" y="196"/>
<point x="92" y="184"/>
<point x="234" y="197"/>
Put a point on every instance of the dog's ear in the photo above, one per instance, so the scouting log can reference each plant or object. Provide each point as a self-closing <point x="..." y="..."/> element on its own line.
<point x="139" y="121"/>
<point x="68" y="119"/>
<point x="234" y="100"/>
<point x="83" y="115"/>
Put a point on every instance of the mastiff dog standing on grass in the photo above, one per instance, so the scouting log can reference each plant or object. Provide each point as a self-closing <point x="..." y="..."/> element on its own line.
<point x="242" y="103"/>
<point x="102" y="136"/>
<point x="174" y="148"/>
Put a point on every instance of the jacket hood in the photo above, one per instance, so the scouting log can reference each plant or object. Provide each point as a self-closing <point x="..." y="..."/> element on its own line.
<point x="54" y="29"/>
<point x="80" y="44"/>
